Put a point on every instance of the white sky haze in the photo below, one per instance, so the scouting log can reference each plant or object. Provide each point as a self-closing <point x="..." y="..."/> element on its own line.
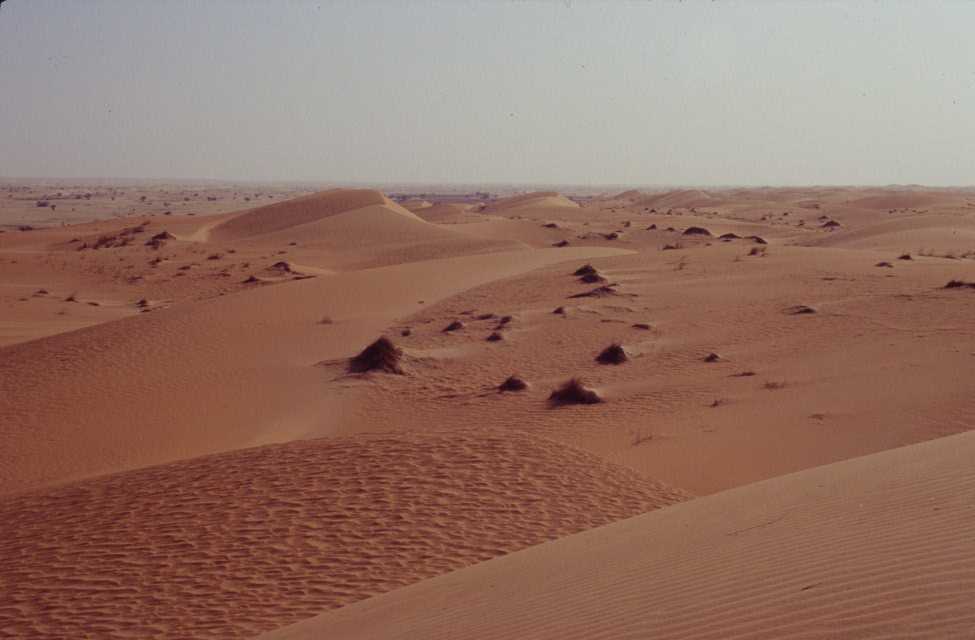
<point x="478" y="92"/>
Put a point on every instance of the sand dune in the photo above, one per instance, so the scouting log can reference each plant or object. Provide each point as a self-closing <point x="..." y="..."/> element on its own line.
<point x="299" y="211"/>
<point x="534" y="200"/>
<point x="186" y="453"/>
<point x="937" y="232"/>
<point x="448" y="213"/>
<point x="820" y="388"/>
<point x="179" y="382"/>
<point x="902" y="200"/>
<point x="229" y="545"/>
<point x="351" y="229"/>
<point x="414" y="204"/>
<point x="679" y="198"/>
<point x="877" y="547"/>
<point x="376" y="236"/>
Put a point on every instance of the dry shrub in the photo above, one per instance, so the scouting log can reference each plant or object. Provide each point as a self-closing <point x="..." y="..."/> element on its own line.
<point x="574" y="391"/>
<point x="613" y="354"/>
<point x="513" y="383"/>
<point x="381" y="355"/>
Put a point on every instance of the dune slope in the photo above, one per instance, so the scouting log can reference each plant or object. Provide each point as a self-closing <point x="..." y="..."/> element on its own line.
<point x="229" y="545"/>
<point x="533" y="200"/>
<point x="182" y="382"/>
<point x="298" y="211"/>
<point x="875" y="547"/>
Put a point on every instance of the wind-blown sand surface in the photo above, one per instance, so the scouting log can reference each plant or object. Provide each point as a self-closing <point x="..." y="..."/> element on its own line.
<point x="185" y="453"/>
<point x="263" y="537"/>
<point x="877" y="547"/>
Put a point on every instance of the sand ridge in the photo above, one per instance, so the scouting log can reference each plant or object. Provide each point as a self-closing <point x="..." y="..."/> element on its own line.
<point x="232" y="544"/>
<point x="533" y="200"/>
<point x="877" y="547"/>
<point x="299" y="211"/>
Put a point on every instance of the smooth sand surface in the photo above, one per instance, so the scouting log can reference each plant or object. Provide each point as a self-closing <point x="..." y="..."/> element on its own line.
<point x="185" y="453"/>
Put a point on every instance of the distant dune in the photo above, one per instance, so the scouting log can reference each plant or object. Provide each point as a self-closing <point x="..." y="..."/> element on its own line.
<point x="352" y="229"/>
<point x="448" y="212"/>
<point x="908" y="200"/>
<point x="416" y="203"/>
<point x="301" y="211"/>
<point x="534" y="200"/>
<point x="680" y="198"/>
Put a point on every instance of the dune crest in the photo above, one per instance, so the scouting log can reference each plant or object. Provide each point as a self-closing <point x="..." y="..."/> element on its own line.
<point x="876" y="547"/>
<point x="229" y="545"/>
<point x="533" y="200"/>
<point x="299" y="211"/>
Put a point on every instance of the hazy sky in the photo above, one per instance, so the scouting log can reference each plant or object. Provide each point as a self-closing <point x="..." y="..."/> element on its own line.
<point x="569" y="92"/>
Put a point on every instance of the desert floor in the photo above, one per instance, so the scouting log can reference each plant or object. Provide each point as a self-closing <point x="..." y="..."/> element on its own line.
<point x="781" y="445"/>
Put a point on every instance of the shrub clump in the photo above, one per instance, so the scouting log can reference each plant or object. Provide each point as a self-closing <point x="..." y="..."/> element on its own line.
<point x="513" y="383"/>
<point x="591" y="278"/>
<point x="574" y="391"/>
<point x="381" y="355"/>
<point x="613" y="354"/>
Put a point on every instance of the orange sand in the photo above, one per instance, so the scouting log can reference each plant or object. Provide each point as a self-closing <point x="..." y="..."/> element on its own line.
<point x="184" y="453"/>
